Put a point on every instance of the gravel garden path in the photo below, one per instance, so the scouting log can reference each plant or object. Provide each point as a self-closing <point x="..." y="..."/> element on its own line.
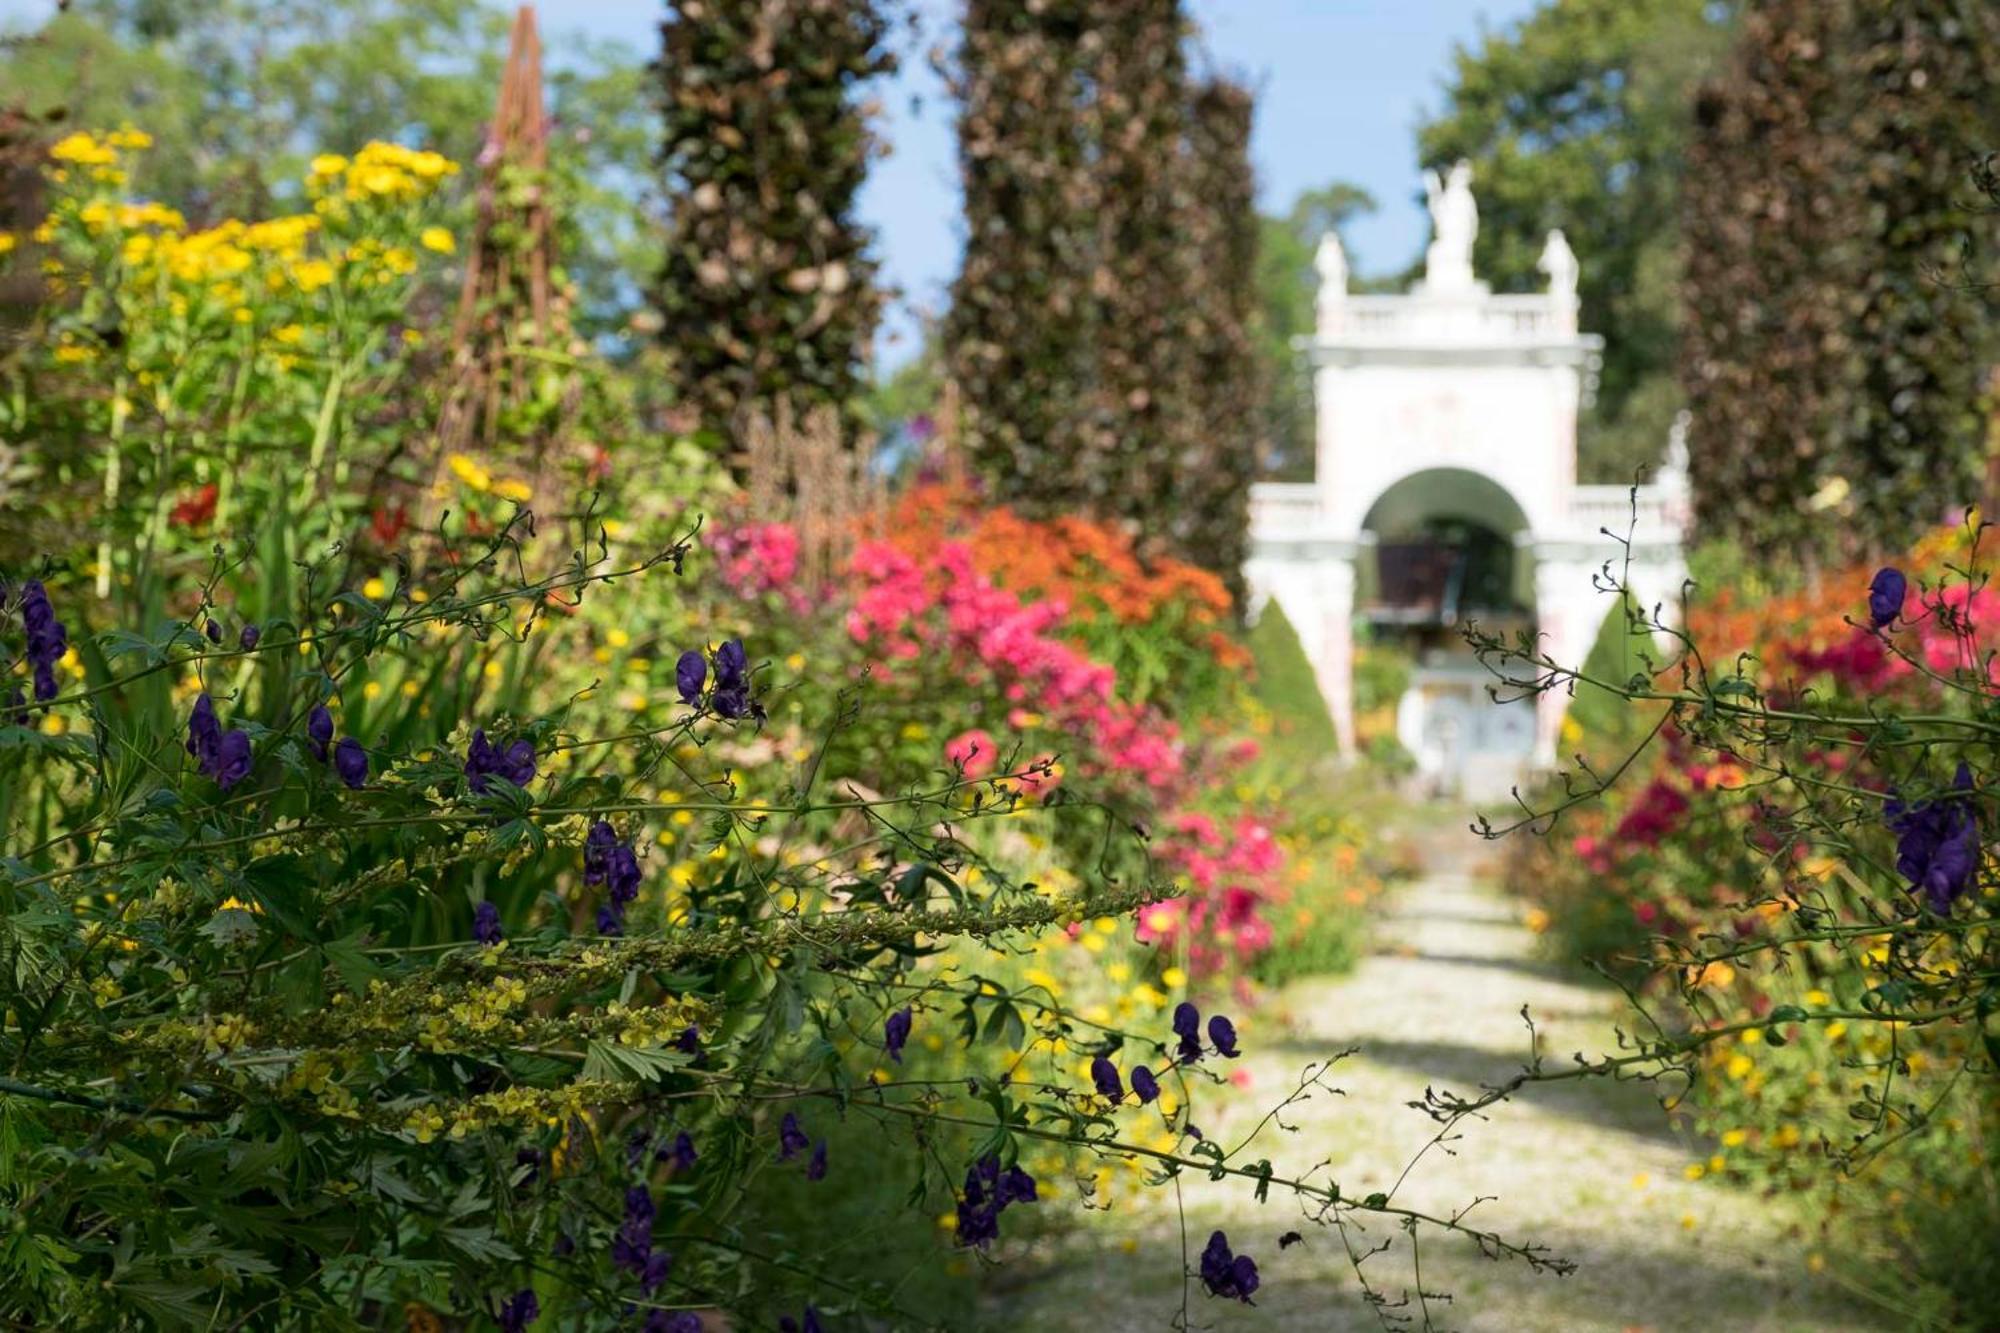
<point x="1588" y="1168"/>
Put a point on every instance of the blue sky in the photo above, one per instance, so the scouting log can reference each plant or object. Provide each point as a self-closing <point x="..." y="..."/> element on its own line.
<point x="1341" y="85"/>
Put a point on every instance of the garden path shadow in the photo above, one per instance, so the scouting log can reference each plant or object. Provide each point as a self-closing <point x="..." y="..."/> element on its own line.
<point x="1590" y="1169"/>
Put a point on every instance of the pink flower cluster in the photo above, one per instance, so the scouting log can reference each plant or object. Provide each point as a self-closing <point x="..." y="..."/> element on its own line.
<point x="947" y="612"/>
<point x="1947" y="633"/>
<point x="905" y="612"/>
<point x="758" y="558"/>
<point x="1233" y="872"/>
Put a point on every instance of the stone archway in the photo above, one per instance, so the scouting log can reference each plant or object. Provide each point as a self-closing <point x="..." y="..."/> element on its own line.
<point x="1454" y="403"/>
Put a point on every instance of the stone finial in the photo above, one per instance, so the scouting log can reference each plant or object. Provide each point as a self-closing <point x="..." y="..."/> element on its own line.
<point x="1330" y="262"/>
<point x="1454" y="224"/>
<point x="1559" y="262"/>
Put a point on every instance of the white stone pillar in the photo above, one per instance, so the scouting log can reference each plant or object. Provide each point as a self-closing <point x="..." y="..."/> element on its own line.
<point x="1335" y="596"/>
<point x="1568" y="610"/>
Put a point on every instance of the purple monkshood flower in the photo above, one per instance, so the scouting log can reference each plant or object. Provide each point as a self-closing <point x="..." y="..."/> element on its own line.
<point x="232" y="758"/>
<point x="486" y="924"/>
<point x="809" y="1323"/>
<point x="816" y="1168"/>
<point x="1105" y="1075"/>
<point x="679" y="1153"/>
<point x="689" y="1040"/>
<point x="1937" y="843"/>
<point x="351" y="762"/>
<point x="1225" y="1274"/>
<point x="597" y="845"/>
<point x="623" y="874"/>
<point x="48" y="638"/>
<point x="484" y="760"/>
<point x="319" y="730"/>
<point x="633" y="1244"/>
<point x="690" y="674"/>
<point x="653" y="1275"/>
<point x="213" y="629"/>
<point x="988" y="1191"/>
<point x="1222" y="1035"/>
<point x="1187" y="1026"/>
<point x="518" y="1311"/>
<point x="671" y="1321"/>
<point x="247" y="639"/>
<point x="610" y="922"/>
<point x="791" y="1139"/>
<point x="732" y="680"/>
<point x="222" y="755"/>
<point x="1885" y="596"/>
<point x="204" y="740"/>
<point x="895" y="1033"/>
<point x="1145" y="1085"/>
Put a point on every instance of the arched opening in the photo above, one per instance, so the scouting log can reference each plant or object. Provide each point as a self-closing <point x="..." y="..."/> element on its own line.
<point x="1442" y="547"/>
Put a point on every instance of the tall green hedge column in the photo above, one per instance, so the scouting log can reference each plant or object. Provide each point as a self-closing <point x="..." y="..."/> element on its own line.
<point x="1210" y="507"/>
<point x="1023" y="322"/>
<point x="1833" y="351"/>
<point x="768" y="291"/>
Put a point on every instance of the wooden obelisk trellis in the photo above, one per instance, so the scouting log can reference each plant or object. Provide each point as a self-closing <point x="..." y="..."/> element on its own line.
<point x="506" y="308"/>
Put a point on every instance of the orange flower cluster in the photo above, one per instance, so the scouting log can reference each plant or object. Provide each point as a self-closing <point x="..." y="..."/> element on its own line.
<point x="1092" y="568"/>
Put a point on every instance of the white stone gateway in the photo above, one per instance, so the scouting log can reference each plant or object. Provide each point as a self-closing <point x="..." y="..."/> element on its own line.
<point x="1451" y="405"/>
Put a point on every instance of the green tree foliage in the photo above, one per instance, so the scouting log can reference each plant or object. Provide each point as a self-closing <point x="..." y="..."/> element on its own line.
<point x="768" y="291"/>
<point x="238" y="93"/>
<point x="1833" y="357"/>
<point x="1286" y="285"/>
<point x="1576" y="118"/>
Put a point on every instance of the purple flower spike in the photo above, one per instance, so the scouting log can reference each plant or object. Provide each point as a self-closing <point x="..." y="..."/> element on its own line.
<point x="690" y="674"/>
<point x="1885" y="596"/>
<point x="232" y="759"/>
<point x="319" y="731"/>
<point x="351" y="762"/>
<point x="204" y="734"/>
<point x="896" y="1033"/>
<point x="1233" y="1276"/>
<point x="1187" y="1026"/>
<point x="1222" y="1035"/>
<point x="791" y="1139"/>
<point x="816" y="1168"/>
<point x="48" y="638"/>
<point x="518" y="1311"/>
<point x="486" y="924"/>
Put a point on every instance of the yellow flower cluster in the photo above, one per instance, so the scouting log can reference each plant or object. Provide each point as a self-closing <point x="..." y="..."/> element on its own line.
<point x="380" y="171"/>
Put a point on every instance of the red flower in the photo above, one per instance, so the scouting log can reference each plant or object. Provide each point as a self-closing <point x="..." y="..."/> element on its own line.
<point x="387" y="524"/>
<point x="196" y="509"/>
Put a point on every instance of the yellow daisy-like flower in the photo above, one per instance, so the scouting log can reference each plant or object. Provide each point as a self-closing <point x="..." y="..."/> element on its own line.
<point x="467" y="470"/>
<point x="7" y="242"/>
<point x="437" y="239"/>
